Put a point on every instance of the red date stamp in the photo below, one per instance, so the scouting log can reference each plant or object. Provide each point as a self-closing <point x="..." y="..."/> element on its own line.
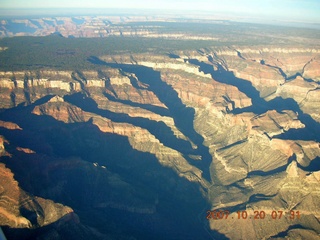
<point x="218" y="214"/>
<point x="243" y="214"/>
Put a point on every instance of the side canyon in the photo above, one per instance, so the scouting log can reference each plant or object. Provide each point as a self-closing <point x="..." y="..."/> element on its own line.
<point x="144" y="144"/>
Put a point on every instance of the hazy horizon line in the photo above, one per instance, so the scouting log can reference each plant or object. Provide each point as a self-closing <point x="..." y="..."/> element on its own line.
<point x="178" y="13"/>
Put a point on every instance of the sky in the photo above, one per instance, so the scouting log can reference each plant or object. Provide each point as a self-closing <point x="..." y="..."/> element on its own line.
<point x="287" y="10"/>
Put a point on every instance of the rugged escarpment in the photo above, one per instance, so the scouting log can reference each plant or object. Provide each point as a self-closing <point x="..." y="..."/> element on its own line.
<point x="139" y="138"/>
<point x="236" y="128"/>
<point x="244" y="145"/>
<point x="272" y="72"/>
<point x="24" y="215"/>
<point x="291" y="193"/>
<point x="19" y="209"/>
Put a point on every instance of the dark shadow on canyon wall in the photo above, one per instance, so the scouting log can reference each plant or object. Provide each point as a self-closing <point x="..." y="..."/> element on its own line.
<point x="155" y="109"/>
<point x="158" y="129"/>
<point x="64" y="157"/>
<point x="183" y="116"/>
<point x="259" y="105"/>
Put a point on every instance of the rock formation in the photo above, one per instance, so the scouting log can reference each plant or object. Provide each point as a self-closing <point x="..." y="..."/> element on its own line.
<point x="235" y="127"/>
<point x="21" y="210"/>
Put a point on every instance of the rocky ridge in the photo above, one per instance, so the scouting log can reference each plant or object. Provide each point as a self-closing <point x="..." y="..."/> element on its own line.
<point x="243" y="140"/>
<point x="22" y="210"/>
<point x="139" y="138"/>
<point x="233" y="140"/>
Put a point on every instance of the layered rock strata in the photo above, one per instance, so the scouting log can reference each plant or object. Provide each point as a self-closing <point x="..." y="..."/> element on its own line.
<point x="244" y="146"/>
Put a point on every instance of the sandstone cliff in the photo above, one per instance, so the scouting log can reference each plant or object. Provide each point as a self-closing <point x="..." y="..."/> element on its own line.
<point x="241" y="124"/>
<point x="139" y="138"/>
<point x="249" y="161"/>
<point x="20" y="210"/>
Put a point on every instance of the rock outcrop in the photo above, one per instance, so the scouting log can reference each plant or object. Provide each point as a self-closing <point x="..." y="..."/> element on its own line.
<point x="240" y="124"/>
<point x="139" y="138"/>
<point x="251" y="169"/>
<point x="20" y="210"/>
<point x="291" y="194"/>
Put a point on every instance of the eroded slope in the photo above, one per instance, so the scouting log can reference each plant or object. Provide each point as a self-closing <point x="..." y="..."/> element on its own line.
<point x="235" y="127"/>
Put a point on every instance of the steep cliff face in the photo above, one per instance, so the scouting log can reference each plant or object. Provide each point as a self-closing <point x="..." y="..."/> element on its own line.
<point x="139" y="138"/>
<point x="306" y="94"/>
<point x="249" y="161"/>
<point x="23" y="215"/>
<point x="27" y="87"/>
<point x="273" y="72"/>
<point x="3" y="151"/>
<point x="291" y="193"/>
<point x="236" y="128"/>
<point x="21" y="210"/>
<point x="311" y="70"/>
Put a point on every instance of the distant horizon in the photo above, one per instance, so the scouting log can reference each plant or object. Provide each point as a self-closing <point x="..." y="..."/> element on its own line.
<point x="19" y="13"/>
<point x="303" y="11"/>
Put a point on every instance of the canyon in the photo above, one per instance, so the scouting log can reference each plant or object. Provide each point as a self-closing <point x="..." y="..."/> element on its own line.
<point x="144" y="144"/>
